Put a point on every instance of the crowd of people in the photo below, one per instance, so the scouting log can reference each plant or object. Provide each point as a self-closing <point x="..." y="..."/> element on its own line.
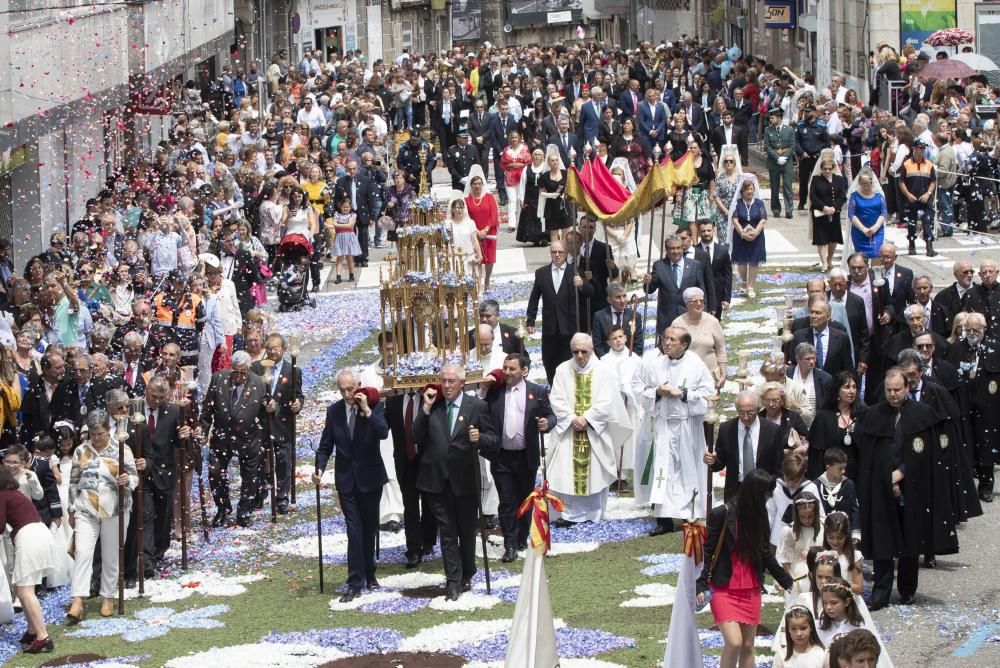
<point x="141" y="333"/>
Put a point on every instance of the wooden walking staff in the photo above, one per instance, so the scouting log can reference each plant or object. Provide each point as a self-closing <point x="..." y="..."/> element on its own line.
<point x="268" y="366"/>
<point x="294" y="347"/>
<point x="576" y="233"/>
<point x="122" y="436"/>
<point x="319" y="531"/>
<point x="479" y="518"/>
<point x="182" y="388"/>
<point x="138" y="417"/>
<point x="649" y="246"/>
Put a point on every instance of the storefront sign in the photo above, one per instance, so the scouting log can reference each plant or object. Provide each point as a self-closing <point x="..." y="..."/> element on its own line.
<point x="779" y="15"/>
<point x="328" y="13"/>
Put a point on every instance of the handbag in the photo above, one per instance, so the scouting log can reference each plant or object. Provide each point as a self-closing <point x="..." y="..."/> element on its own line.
<point x="387" y="223"/>
<point x="718" y="546"/>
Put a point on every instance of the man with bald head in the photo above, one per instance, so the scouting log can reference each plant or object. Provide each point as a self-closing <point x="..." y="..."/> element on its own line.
<point x="591" y="425"/>
<point x="951" y="297"/>
<point x="984" y="297"/>
<point x="745" y="443"/>
<point x="833" y="347"/>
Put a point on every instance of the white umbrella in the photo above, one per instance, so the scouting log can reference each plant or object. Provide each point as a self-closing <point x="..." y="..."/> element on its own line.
<point x="976" y="61"/>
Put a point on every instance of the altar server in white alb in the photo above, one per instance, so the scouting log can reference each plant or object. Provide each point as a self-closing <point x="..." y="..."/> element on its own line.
<point x="626" y="365"/>
<point x="674" y="388"/>
<point x="592" y="424"/>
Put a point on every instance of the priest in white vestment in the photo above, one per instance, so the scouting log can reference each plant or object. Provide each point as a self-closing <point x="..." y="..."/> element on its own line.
<point x="592" y="424"/>
<point x="674" y="390"/>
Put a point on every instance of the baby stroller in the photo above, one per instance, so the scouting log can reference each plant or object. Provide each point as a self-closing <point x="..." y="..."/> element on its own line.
<point x="292" y="275"/>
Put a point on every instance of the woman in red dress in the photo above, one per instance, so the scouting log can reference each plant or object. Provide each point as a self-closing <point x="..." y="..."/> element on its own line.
<point x="513" y="160"/>
<point x="736" y="566"/>
<point x="482" y="208"/>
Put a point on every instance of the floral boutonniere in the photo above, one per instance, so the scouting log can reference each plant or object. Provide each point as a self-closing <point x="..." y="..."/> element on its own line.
<point x="531" y="396"/>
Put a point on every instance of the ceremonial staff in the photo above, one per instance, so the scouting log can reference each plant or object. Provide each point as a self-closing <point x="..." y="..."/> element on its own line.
<point x="122" y="436"/>
<point x="711" y="423"/>
<point x="182" y="388"/>
<point x="268" y="366"/>
<point x="649" y="246"/>
<point x="576" y="233"/>
<point x="139" y="417"/>
<point x="319" y="529"/>
<point x="294" y="347"/>
<point x="479" y="508"/>
<point x="586" y="255"/>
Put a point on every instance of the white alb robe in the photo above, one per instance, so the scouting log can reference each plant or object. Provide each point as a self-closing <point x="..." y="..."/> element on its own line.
<point x="390" y="506"/>
<point x="626" y="366"/>
<point x="677" y="479"/>
<point x="608" y="428"/>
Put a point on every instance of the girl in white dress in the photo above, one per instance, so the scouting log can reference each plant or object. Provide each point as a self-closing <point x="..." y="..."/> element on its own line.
<point x="837" y="537"/>
<point x="840" y="613"/>
<point x="805" y="532"/>
<point x="804" y="647"/>
<point x="463" y="234"/>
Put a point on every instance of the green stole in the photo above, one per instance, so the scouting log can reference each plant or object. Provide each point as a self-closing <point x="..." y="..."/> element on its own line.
<point x="581" y="442"/>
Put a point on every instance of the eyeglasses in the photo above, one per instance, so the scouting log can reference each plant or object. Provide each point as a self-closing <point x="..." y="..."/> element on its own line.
<point x="728" y="162"/>
<point x="924" y="346"/>
<point x="747" y="412"/>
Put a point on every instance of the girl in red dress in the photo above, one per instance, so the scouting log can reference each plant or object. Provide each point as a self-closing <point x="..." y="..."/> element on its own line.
<point x="735" y="568"/>
<point x="482" y="207"/>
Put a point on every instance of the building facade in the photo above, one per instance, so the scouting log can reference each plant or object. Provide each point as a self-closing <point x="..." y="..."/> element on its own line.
<point x="70" y="83"/>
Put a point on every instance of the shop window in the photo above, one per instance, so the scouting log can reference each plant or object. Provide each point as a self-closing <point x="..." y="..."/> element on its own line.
<point x="406" y="35"/>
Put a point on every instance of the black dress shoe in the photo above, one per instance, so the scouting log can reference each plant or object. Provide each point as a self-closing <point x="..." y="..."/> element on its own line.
<point x="427" y="552"/>
<point x="350" y="595"/>
<point x="877" y="605"/>
<point x="509" y="555"/>
<point x="522" y="546"/>
<point x="413" y="560"/>
<point x="148" y="570"/>
<point x="906" y="600"/>
<point x="986" y="496"/>
<point x="930" y="562"/>
<point x="452" y="593"/>
<point x="220" y="517"/>
<point x="467" y="584"/>
<point x="788" y="215"/>
<point x="491" y="521"/>
<point x="282" y="507"/>
<point x="243" y="520"/>
<point x="662" y="528"/>
<point x="563" y="523"/>
<point x="373" y="585"/>
<point x="130" y="583"/>
<point x="391" y="525"/>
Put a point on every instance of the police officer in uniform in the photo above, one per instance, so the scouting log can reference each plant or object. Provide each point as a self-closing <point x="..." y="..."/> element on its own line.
<point x="408" y="158"/>
<point x="461" y="157"/>
<point x="810" y="138"/>
<point x="779" y="145"/>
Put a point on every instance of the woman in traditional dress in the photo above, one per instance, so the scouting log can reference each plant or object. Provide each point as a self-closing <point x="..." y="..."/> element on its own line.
<point x="513" y="160"/>
<point x="696" y="198"/>
<point x="552" y="184"/>
<point x="464" y="235"/>
<point x="827" y="196"/>
<point x="678" y="137"/>
<point x="867" y="213"/>
<point x="529" y="228"/>
<point x="483" y="211"/>
<point x="728" y="180"/>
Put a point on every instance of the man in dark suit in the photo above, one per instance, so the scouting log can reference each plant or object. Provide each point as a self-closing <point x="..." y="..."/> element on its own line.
<point x="555" y="284"/>
<point x="451" y="434"/>
<point x="445" y="120"/>
<point x="479" y="132"/>
<point x="746" y="442"/>
<point x="596" y="262"/>
<point x="630" y="100"/>
<point x="234" y="405"/>
<point x="590" y="116"/>
<point x="937" y="317"/>
<point x="134" y="368"/>
<point x="573" y="90"/>
<point x="721" y="263"/>
<point x="82" y="393"/>
<point x="519" y="410"/>
<point x="898" y="281"/>
<point x="461" y="157"/>
<point x="652" y="119"/>
<point x="833" y="349"/>
<point x="286" y="391"/>
<point x="567" y="142"/>
<point x="671" y="276"/>
<point x="364" y="202"/>
<point x="140" y="323"/>
<point x="353" y="430"/>
<point x="915" y="323"/>
<point x="694" y="113"/>
<point x="161" y="438"/>
<point x="504" y="336"/>
<point x="418" y="521"/>
<point x="951" y="297"/>
<point x="694" y="251"/>
<point x="730" y="133"/>
<point x="816" y="382"/>
<point x="501" y="125"/>
<point x="854" y="308"/>
<point x="617" y="314"/>
<point x="48" y="398"/>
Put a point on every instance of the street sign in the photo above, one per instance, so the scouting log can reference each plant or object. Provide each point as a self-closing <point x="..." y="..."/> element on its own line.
<point x="779" y="15"/>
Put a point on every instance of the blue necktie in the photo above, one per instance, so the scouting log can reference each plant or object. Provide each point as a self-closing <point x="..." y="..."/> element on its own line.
<point x="819" y="350"/>
<point x="677" y="274"/>
<point x="451" y="416"/>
